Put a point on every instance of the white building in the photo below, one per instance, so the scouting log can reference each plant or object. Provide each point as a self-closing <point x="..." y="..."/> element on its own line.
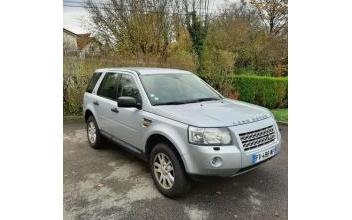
<point x="79" y="44"/>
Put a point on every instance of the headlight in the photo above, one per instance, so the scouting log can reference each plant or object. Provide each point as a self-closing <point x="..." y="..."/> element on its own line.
<point x="209" y="136"/>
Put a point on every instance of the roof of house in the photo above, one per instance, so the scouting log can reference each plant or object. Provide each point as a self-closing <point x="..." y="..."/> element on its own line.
<point x="70" y="33"/>
<point x="146" y="70"/>
<point x="82" y="39"/>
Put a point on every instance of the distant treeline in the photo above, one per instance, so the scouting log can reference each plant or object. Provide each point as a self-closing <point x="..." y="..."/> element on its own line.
<point x="245" y="37"/>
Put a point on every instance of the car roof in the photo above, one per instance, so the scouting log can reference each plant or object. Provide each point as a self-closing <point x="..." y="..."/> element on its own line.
<point x="146" y="70"/>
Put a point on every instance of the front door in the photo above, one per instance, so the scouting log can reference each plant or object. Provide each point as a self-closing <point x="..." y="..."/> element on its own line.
<point x="130" y="119"/>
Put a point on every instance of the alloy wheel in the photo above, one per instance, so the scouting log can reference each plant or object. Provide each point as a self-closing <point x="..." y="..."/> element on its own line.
<point x="164" y="170"/>
<point x="92" y="135"/>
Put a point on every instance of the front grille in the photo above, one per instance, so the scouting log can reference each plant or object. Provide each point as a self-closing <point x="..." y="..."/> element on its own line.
<point x="257" y="138"/>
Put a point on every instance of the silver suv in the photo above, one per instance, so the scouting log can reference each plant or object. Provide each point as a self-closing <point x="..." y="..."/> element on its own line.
<point x="177" y="123"/>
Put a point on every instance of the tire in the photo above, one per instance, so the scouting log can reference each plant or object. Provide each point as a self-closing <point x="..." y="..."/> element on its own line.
<point x="93" y="134"/>
<point x="161" y="156"/>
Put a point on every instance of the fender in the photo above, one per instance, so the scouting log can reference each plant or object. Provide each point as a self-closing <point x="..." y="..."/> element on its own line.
<point x="91" y="108"/>
<point x="175" y="136"/>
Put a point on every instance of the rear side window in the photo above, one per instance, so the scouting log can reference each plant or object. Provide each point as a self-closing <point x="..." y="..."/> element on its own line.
<point x="92" y="82"/>
<point x="107" y="87"/>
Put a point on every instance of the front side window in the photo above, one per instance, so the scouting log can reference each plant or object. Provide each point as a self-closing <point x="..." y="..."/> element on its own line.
<point x="128" y="87"/>
<point x="108" y="86"/>
<point x="175" y="89"/>
<point x="92" y="82"/>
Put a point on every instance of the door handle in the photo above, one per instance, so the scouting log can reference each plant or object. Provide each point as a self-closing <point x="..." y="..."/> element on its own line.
<point x="115" y="110"/>
<point x="96" y="103"/>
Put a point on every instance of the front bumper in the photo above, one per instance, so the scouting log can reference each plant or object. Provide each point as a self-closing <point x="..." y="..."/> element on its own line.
<point x="234" y="159"/>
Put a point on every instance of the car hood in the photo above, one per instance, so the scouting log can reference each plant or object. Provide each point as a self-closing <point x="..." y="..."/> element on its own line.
<point x="220" y="113"/>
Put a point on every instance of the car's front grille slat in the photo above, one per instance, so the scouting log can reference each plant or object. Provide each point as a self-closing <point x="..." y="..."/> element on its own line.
<point x="257" y="138"/>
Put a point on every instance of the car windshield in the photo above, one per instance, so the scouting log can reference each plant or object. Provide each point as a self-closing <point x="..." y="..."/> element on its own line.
<point x="177" y="89"/>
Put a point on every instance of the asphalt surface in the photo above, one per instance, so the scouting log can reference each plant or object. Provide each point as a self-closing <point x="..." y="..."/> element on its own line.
<point x="112" y="184"/>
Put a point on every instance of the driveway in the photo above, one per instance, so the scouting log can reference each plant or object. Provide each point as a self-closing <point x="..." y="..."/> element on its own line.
<point x="111" y="184"/>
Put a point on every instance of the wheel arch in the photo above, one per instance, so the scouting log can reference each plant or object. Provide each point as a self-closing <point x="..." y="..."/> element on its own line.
<point x="90" y="112"/>
<point x="87" y="114"/>
<point x="156" y="138"/>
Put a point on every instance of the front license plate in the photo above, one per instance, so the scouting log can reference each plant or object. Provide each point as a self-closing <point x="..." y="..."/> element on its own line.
<point x="263" y="155"/>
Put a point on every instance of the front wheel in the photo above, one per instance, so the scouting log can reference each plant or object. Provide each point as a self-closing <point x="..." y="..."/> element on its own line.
<point x="167" y="171"/>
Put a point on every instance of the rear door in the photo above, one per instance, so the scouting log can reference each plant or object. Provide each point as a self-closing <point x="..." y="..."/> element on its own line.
<point x="106" y="103"/>
<point x="90" y="95"/>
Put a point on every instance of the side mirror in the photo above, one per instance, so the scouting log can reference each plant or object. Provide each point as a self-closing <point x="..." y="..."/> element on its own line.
<point x="128" y="102"/>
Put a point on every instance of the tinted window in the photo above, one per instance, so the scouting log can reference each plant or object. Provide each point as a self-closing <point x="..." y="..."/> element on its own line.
<point x="128" y="87"/>
<point x="108" y="86"/>
<point x="92" y="82"/>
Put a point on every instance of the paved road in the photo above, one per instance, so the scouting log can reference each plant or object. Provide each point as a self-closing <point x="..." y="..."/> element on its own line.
<point x="111" y="184"/>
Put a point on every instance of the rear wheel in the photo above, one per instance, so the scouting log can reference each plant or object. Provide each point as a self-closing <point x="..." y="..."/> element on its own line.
<point x="93" y="134"/>
<point x="167" y="171"/>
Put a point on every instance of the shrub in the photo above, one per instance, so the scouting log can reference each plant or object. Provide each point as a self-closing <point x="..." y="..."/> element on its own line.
<point x="216" y="67"/>
<point x="270" y="92"/>
<point x="253" y="72"/>
<point x="182" y="59"/>
<point x="280" y="70"/>
<point x="76" y="76"/>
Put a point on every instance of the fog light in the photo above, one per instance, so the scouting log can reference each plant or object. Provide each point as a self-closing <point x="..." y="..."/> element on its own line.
<point x="216" y="162"/>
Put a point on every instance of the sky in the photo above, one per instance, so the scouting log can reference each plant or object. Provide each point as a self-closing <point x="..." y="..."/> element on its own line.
<point x="75" y="17"/>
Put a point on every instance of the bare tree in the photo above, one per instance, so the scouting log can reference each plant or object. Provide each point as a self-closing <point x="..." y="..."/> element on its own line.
<point x="138" y="27"/>
<point x="273" y="13"/>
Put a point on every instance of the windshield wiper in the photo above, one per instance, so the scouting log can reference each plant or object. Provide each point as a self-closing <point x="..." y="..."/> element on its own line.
<point x="188" y="101"/>
<point x="206" y="99"/>
<point x="173" y="103"/>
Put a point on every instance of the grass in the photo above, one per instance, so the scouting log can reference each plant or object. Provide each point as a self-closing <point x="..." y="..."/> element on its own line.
<point x="281" y="114"/>
<point x="73" y="117"/>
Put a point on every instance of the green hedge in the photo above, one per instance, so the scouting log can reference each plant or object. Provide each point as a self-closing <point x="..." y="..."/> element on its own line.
<point x="270" y="92"/>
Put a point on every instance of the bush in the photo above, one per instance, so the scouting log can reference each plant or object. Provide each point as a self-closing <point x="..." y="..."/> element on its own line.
<point x="270" y="92"/>
<point x="76" y="76"/>
<point x="252" y="72"/>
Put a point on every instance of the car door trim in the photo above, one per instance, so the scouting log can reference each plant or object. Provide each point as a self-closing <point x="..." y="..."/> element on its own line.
<point x="133" y="149"/>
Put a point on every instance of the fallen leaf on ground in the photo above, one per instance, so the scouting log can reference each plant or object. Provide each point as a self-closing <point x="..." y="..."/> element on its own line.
<point x="99" y="185"/>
